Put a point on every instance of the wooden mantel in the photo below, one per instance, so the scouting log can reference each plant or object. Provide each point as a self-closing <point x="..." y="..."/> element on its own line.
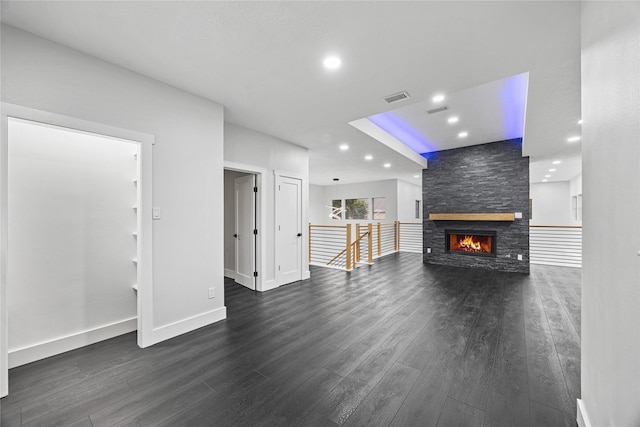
<point x="472" y="216"/>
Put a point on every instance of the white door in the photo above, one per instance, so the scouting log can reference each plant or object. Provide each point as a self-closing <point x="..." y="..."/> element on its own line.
<point x="244" y="235"/>
<point x="288" y="230"/>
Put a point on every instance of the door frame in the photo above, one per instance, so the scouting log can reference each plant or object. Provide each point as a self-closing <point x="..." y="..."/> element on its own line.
<point x="261" y="217"/>
<point x="145" y="266"/>
<point x="304" y="202"/>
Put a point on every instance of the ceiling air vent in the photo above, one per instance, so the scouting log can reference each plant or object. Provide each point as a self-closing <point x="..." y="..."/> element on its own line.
<point x="396" y="97"/>
<point x="437" y="110"/>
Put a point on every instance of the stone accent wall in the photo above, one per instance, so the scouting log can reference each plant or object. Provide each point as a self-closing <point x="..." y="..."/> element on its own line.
<point x="487" y="178"/>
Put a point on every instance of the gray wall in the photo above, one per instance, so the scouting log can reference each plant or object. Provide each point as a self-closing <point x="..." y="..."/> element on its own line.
<point x="487" y="178"/>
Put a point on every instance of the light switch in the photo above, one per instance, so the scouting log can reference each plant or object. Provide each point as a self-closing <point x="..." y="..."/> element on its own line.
<point x="156" y="213"/>
<point x="518" y="215"/>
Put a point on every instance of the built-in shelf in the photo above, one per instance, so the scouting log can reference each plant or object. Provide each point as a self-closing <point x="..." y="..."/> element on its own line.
<point x="135" y="287"/>
<point x="472" y="217"/>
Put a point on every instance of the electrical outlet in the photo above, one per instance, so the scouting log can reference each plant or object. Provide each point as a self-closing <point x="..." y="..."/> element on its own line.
<point x="212" y="293"/>
<point x="428" y="250"/>
<point x="519" y="257"/>
<point x="518" y="215"/>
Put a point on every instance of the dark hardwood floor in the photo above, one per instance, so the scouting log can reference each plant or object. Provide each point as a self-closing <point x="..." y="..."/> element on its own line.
<point x="398" y="343"/>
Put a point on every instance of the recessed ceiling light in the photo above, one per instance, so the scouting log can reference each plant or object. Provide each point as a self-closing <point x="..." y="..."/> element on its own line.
<point x="332" y="63"/>
<point x="368" y="157"/>
<point x="557" y="162"/>
<point x="344" y="147"/>
<point x="580" y="121"/>
<point x="573" y="139"/>
<point x="463" y="134"/>
<point x="552" y="170"/>
<point x="547" y="176"/>
<point x="452" y="119"/>
<point x="438" y="98"/>
<point x="387" y="165"/>
<point x="545" y="180"/>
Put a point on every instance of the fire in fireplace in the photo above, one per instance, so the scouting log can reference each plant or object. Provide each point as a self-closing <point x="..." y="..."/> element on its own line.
<point x="471" y="242"/>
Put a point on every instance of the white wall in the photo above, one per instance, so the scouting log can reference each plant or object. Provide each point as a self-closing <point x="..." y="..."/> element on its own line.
<point x="407" y="196"/>
<point x="254" y="149"/>
<point x="230" y="222"/>
<point x="70" y="198"/>
<point x="317" y="209"/>
<point x="552" y="204"/>
<point x="187" y="163"/>
<point x="611" y="173"/>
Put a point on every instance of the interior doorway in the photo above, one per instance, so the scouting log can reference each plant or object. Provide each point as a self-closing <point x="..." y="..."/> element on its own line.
<point x="242" y="225"/>
<point x="75" y="227"/>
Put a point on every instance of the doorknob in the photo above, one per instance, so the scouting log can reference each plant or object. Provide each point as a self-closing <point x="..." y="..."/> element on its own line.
<point x="235" y="235"/>
<point x="299" y="234"/>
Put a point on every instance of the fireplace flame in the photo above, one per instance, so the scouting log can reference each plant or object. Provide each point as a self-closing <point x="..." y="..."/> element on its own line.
<point x="469" y="244"/>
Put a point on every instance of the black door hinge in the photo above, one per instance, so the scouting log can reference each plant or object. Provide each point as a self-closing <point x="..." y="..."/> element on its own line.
<point x="255" y="274"/>
<point x="255" y="189"/>
<point x="255" y="231"/>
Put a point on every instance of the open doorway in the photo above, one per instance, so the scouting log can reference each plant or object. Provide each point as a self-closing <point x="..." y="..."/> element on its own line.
<point x="240" y="225"/>
<point x="76" y="230"/>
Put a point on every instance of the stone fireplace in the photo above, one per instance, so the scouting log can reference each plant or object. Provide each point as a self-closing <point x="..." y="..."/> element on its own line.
<point x="480" y="192"/>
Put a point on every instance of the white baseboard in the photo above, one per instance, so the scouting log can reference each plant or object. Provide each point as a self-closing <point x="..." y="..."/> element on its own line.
<point x="582" y="418"/>
<point x="269" y="284"/>
<point x="306" y="275"/>
<point x="187" y="325"/>
<point x="231" y="274"/>
<point x="29" y="354"/>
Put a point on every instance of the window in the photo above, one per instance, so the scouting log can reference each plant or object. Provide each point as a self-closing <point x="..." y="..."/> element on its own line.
<point x="417" y="209"/>
<point x="357" y="208"/>
<point x="337" y="211"/>
<point x="379" y="207"/>
<point x="576" y="207"/>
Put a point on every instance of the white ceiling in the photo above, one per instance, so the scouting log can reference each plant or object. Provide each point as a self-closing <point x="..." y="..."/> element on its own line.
<point x="263" y="62"/>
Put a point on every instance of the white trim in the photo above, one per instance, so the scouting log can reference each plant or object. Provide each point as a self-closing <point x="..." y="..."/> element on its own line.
<point x="145" y="264"/>
<point x="288" y="174"/>
<point x="4" y="225"/>
<point x="229" y="273"/>
<point x="261" y="175"/>
<point x="29" y="354"/>
<point x="582" y="418"/>
<point x="270" y="284"/>
<point x="306" y="274"/>
<point x="190" y="324"/>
